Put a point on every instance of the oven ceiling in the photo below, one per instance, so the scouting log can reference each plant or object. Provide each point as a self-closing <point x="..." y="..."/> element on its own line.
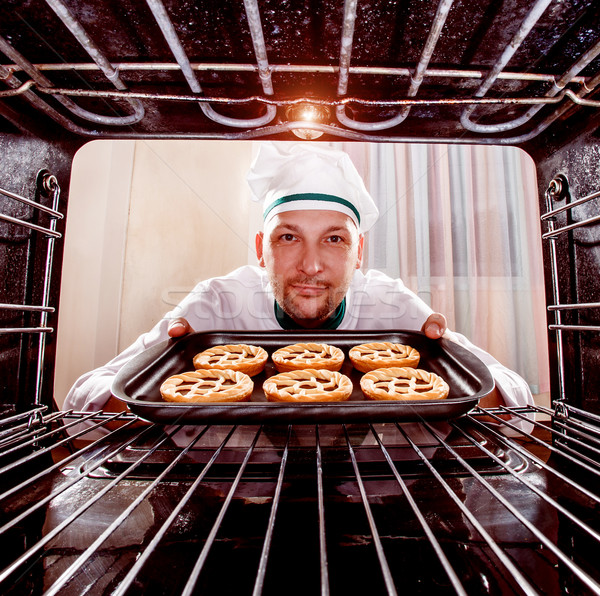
<point x="465" y="71"/>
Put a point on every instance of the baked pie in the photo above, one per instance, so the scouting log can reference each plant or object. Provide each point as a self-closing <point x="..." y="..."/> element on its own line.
<point x="308" y="385"/>
<point x="250" y="360"/>
<point x="314" y="356"/>
<point x="402" y="383"/>
<point x="366" y="357"/>
<point x="207" y="386"/>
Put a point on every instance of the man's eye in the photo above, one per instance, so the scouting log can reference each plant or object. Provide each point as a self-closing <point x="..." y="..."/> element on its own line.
<point x="287" y="237"/>
<point x="335" y="239"/>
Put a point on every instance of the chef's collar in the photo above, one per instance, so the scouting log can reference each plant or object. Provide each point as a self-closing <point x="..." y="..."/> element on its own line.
<point x="333" y="322"/>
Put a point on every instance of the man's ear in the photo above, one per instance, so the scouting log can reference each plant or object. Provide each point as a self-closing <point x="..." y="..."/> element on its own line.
<point x="361" y="242"/>
<point x="259" y="248"/>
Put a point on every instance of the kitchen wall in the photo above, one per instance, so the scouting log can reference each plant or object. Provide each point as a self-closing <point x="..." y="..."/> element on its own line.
<point x="137" y="211"/>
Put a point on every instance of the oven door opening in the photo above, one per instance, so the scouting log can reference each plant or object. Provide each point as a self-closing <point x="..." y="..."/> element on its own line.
<point x="458" y="224"/>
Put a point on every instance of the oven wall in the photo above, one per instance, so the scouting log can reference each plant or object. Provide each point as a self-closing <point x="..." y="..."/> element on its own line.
<point x="22" y="262"/>
<point x="578" y="267"/>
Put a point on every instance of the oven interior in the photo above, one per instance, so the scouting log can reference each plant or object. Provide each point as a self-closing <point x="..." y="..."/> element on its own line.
<point x="467" y="506"/>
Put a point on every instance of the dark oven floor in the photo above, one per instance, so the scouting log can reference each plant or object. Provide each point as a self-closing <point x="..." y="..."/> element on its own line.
<point x="465" y="507"/>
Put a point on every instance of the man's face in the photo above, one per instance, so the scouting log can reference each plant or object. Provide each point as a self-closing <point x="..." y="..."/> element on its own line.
<point x="310" y="257"/>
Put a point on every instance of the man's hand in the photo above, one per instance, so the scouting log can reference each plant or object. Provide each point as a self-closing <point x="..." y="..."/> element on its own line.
<point x="435" y="326"/>
<point x="179" y="327"/>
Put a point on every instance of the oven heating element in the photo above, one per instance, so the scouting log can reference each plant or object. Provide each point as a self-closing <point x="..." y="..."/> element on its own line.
<point x="508" y="101"/>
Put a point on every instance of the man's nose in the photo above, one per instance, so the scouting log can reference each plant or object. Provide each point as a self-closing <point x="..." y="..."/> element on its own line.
<point x="311" y="262"/>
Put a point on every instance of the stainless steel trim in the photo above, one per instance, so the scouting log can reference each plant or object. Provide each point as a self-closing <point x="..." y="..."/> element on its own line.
<point x="30" y="203"/>
<point x="579" y="224"/>
<point x="27" y="307"/>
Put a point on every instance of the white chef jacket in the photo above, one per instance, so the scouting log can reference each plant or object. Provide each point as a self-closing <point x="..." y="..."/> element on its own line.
<point x="243" y="301"/>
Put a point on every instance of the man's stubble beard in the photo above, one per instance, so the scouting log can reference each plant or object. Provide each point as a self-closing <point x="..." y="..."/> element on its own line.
<point x="286" y="301"/>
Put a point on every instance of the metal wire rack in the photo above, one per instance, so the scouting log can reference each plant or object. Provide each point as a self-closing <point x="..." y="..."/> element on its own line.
<point x="20" y="212"/>
<point x="477" y="504"/>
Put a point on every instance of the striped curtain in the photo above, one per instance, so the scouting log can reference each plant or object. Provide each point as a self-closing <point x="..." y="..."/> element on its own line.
<point x="460" y="226"/>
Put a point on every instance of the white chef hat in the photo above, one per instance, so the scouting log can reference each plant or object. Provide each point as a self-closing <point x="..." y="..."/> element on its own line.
<point x="300" y="176"/>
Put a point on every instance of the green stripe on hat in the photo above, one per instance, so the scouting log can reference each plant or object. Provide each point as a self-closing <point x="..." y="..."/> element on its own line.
<point x="312" y="196"/>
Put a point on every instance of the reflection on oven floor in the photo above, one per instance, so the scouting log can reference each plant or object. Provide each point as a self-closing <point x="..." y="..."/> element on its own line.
<point x="301" y="452"/>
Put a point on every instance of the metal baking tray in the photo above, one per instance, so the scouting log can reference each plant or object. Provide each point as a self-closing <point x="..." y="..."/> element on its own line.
<point x="138" y="382"/>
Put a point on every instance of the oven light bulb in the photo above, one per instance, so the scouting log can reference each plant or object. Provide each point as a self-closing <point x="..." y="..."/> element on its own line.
<point x="307" y="112"/>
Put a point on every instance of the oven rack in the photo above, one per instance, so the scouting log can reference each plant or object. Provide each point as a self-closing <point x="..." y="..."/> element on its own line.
<point x="329" y="509"/>
<point x="559" y="190"/>
<point x="562" y="90"/>
<point x="46" y="187"/>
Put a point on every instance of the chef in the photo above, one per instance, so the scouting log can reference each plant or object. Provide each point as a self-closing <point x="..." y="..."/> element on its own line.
<point x="316" y="211"/>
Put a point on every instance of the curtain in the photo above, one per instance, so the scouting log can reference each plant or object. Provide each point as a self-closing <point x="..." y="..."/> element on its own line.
<point x="460" y="226"/>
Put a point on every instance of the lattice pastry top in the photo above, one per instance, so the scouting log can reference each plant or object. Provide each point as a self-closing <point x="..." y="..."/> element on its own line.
<point x="403" y="383"/>
<point x="308" y="385"/>
<point x="366" y="357"/>
<point x="315" y="356"/>
<point x="207" y="385"/>
<point x="247" y="359"/>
